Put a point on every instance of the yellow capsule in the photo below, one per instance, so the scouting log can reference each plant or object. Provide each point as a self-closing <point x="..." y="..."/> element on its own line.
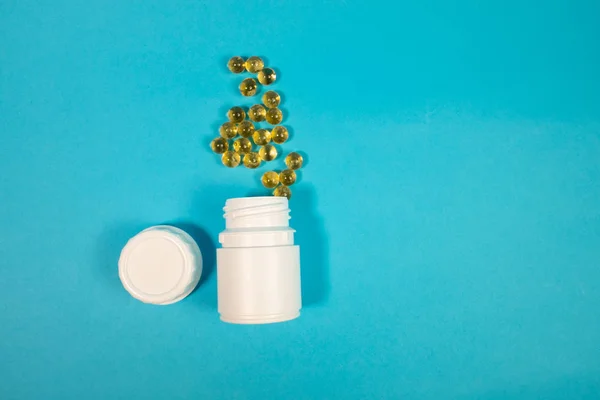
<point x="254" y="64"/>
<point x="271" y="99"/>
<point x="228" y="130"/>
<point x="219" y="145"/>
<point x="248" y="87"/>
<point x="267" y="152"/>
<point x="261" y="137"/>
<point x="245" y="129"/>
<point x="270" y="179"/>
<point x="252" y="160"/>
<point x="267" y="76"/>
<point x="274" y="116"/>
<point x="236" y="64"/>
<point x="283" y="191"/>
<point x="230" y="159"/>
<point x="242" y="145"/>
<point x="287" y="177"/>
<point x="236" y="114"/>
<point x="257" y="113"/>
<point x="294" y="160"/>
<point x="279" y="134"/>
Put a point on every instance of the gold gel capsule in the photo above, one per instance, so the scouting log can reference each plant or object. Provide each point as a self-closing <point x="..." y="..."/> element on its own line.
<point x="236" y="64"/>
<point x="257" y="113"/>
<point x="230" y="159"/>
<point x="219" y="145"/>
<point x="287" y="177"/>
<point x="279" y="134"/>
<point x="294" y="160"/>
<point x="274" y="116"/>
<point x="283" y="191"/>
<point x="252" y="160"/>
<point x="228" y="130"/>
<point x="271" y="99"/>
<point x="261" y="137"/>
<point x="267" y="76"/>
<point x="245" y="129"/>
<point x="254" y="64"/>
<point x="267" y="152"/>
<point x="236" y="114"/>
<point x="270" y="179"/>
<point x="248" y="87"/>
<point x="242" y="146"/>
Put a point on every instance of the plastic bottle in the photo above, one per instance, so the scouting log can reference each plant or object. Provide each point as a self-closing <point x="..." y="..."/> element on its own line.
<point x="258" y="266"/>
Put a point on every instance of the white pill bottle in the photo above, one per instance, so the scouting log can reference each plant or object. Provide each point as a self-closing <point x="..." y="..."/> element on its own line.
<point x="258" y="266"/>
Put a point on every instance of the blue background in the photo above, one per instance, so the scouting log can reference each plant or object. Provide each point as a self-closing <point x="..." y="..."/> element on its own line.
<point x="448" y="215"/>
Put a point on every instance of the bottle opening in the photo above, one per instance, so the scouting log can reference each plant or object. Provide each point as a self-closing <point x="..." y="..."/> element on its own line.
<point x="256" y="212"/>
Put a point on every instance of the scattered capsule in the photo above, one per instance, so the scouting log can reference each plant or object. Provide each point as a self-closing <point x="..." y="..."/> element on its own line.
<point x="267" y="76"/>
<point x="274" y="116"/>
<point x="283" y="191"/>
<point x="270" y="179"/>
<point x="267" y="152"/>
<point x="287" y="177"/>
<point x="236" y="114"/>
<point x="228" y="130"/>
<point x="254" y="64"/>
<point x="248" y="87"/>
<point x="230" y="159"/>
<point x="242" y="145"/>
<point x="294" y="160"/>
<point x="219" y="145"/>
<point x="257" y="113"/>
<point x="236" y="64"/>
<point x="245" y="129"/>
<point x="261" y="137"/>
<point x="252" y="160"/>
<point x="279" y="134"/>
<point x="271" y="99"/>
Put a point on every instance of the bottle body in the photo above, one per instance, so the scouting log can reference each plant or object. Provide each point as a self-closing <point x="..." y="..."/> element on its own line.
<point x="258" y="267"/>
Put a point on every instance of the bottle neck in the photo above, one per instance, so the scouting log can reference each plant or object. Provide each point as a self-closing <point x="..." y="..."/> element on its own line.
<point x="257" y="222"/>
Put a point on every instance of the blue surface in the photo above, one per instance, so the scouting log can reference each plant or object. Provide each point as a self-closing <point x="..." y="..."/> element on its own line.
<point x="449" y="214"/>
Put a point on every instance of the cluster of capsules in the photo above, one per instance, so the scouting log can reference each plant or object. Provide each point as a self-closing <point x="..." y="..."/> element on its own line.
<point x="240" y="138"/>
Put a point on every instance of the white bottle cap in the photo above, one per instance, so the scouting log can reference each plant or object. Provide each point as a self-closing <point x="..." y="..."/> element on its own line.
<point x="160" y="265"/>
